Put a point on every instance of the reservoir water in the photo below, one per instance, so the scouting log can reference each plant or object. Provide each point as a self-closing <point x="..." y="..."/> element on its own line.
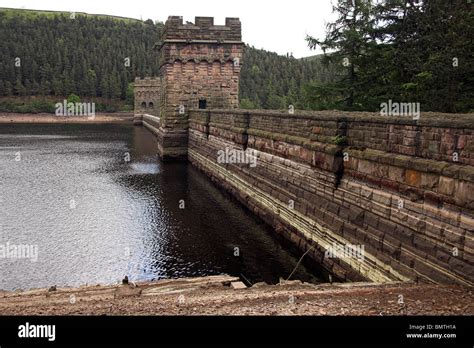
<point x="96" y="204"/>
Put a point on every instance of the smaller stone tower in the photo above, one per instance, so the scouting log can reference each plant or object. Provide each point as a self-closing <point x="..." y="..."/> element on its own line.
<point x="147" y="96"/>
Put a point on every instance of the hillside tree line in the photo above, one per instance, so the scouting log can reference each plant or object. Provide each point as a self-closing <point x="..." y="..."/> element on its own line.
<point x="99" y="56"/>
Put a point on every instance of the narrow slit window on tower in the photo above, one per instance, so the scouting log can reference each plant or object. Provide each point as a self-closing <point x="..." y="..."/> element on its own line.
<point x="202" y="103"/>
<point x="143" y="105"/>
<point x="150" y="105"/>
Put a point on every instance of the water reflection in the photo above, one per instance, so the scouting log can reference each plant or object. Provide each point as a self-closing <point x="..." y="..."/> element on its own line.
<point x="99" y="204"/>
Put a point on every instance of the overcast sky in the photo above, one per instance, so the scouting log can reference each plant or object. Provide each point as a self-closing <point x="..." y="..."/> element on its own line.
<point x="275" y="25"/>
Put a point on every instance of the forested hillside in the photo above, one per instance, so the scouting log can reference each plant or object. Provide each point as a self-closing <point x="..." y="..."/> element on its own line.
<point x="271" y="81"/>
<point x="58" y="54"/>
<point x="54" y="54"/>
<point x="376" y="51"/>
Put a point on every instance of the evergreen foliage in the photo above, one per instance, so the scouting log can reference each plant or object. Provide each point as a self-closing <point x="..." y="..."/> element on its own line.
<point x="404" y="50"/>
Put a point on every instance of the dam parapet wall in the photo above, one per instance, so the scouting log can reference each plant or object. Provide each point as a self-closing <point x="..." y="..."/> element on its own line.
<point x="399" y="189"/>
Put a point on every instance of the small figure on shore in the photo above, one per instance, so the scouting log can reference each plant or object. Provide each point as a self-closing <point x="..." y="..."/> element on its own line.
<point x="125" y="280"/>
<point x="53" y="288"/>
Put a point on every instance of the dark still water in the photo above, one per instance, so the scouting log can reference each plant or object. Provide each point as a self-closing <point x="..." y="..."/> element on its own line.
<point x="94" y="217"/>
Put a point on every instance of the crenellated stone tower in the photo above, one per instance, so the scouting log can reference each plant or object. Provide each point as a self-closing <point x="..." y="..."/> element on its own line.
<point x="199" y="69"/>
<point x="147" y="96"/>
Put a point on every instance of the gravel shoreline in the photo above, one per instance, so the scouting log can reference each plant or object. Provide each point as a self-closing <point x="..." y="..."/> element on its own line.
<point x="224" y="295"/>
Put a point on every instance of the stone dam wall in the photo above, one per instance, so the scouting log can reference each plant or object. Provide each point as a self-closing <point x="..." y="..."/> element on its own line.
<point x="401" y="188"/>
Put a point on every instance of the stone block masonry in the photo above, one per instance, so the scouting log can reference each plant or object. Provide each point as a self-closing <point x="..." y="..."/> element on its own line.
<point x="147" y="97"/>
<point x="402" y="189"/>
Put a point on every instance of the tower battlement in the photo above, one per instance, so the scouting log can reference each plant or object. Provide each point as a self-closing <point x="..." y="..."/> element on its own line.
<point x="203" y="29"/>
<point x="201" y="41"/>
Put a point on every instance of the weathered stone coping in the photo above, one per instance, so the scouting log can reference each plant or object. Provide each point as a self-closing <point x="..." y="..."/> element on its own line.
<point x="464" y="121"/>
<point x="452" y="170"/>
